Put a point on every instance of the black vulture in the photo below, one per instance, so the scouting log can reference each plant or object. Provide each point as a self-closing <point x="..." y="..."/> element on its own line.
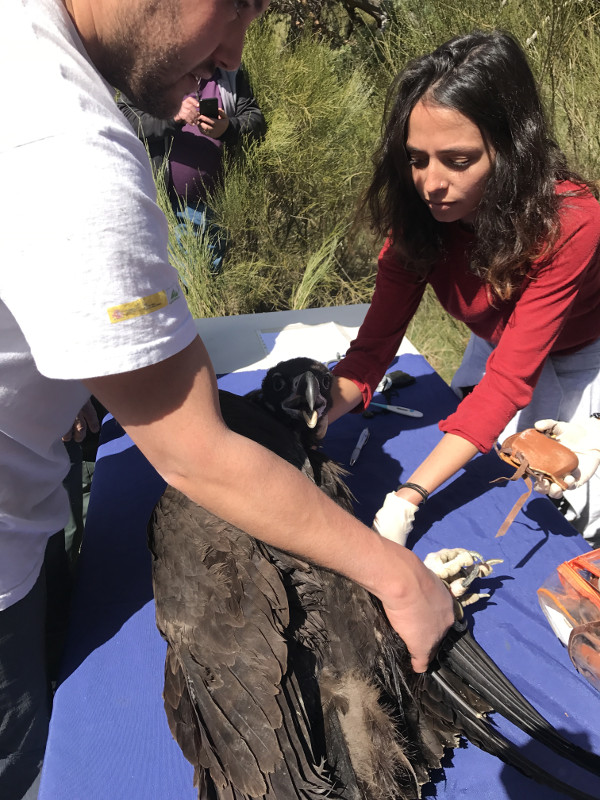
<point x="285" y="680"/>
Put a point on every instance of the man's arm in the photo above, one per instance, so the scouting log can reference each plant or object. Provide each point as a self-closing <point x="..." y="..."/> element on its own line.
<point x="171" y="412"/>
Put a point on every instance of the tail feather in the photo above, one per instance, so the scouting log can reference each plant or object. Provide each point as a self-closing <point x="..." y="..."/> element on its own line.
<point x="484" y="736"/>
<point x="469" y="661"/>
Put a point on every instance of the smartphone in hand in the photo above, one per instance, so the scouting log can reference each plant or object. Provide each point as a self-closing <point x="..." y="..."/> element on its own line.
<point x="209" y="107"/>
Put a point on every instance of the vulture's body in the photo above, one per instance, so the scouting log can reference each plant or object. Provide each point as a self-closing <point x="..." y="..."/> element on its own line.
<point x="284" y="680"/>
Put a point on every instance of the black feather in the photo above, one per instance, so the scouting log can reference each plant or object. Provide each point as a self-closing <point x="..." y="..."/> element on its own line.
<point x="284" y="680"/>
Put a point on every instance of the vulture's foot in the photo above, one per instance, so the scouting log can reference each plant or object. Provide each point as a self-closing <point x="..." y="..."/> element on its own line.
<point x="458" y="568"/>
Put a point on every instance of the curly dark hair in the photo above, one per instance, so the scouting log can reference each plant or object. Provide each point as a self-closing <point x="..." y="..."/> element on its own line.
<point x="486" y="77"/>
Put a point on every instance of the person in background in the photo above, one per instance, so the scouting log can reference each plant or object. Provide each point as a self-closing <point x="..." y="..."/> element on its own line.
<point x="136" y="348"/>
<point x="62" y="550"/>
<point x="477" y="200"/>
<point x="81" y="443"/>
<point x="190" y="146"/>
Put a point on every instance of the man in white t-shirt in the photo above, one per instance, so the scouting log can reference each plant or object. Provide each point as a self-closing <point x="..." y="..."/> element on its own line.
<point x="89" y="304"/>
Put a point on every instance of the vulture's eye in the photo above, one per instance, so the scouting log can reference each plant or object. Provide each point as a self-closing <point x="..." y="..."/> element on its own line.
<point x="278" y="382"/>
<point x="326" y="382"/>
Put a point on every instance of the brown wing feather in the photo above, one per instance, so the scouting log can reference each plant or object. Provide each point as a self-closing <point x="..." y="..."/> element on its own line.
<point x="224" y="623"/>
<point x="265" y="684"/>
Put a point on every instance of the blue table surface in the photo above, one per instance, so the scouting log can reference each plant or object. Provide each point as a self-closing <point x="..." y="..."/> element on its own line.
<point x="109" y="737"/>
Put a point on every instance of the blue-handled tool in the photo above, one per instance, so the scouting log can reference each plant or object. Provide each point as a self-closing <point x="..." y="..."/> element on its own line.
<point x="407" y="412"/>
<point x="362" y="440"/>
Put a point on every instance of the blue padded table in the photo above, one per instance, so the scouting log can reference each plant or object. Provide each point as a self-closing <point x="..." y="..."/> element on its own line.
<point x="109" y="738"/>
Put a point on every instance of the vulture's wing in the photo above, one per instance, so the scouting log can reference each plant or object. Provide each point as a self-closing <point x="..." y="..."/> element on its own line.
<point x="462" y="656"/>
<point x="231" y="704"/>
<point x="286" y="681"/>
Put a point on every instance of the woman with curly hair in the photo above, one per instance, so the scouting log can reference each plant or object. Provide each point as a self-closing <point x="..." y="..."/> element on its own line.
<point x="476" y="199"/>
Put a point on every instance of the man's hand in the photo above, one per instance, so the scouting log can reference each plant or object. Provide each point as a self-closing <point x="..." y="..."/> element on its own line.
<point x="426" y="609"/>
<point x="424" y="616"/>
<point x="188" y="111"/>
<point x="86" y="419"/>
<point x="583" y="438"/>
<point x="395" y="518"/>
<point x="213" y="127"/>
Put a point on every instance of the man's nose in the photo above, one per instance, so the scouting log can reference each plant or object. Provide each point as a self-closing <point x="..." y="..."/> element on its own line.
<point x="228" y="54"/>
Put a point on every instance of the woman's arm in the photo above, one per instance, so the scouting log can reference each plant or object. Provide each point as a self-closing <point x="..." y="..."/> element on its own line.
<point x="395" y="518"/>
<point x="447" y="457"/>
<point x="395" y="300"/>
<point x="345" y="395"/>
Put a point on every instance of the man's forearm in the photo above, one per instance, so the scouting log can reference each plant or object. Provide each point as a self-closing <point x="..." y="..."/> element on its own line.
<point x="171" y="412"/>
<point x="274" y="502"/>
<point x="271" y="500"/>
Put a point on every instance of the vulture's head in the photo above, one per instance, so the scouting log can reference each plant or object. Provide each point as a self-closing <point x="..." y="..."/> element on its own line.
<point x="298" y="392"/>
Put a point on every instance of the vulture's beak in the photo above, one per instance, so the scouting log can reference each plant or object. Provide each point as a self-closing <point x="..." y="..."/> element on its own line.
<point x="311" y="393"/>
<point x="306" y="400"/>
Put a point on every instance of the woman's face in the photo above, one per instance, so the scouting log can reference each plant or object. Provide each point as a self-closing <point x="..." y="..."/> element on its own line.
<point x="450" y="161"/>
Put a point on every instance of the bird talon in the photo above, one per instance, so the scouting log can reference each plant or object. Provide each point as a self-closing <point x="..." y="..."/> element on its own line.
<point x="458" y="568"/>
<point x="474" y="572"/>
<point x="473" y="597"/>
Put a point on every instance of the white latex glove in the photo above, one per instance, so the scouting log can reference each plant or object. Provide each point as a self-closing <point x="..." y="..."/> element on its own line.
<point x="583" y="438"/>
<point x="395" y="518"/>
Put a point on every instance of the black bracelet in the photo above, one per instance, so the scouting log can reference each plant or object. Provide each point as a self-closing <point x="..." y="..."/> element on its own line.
<point x="416" y="488"/>
<point x="596" y="415"/>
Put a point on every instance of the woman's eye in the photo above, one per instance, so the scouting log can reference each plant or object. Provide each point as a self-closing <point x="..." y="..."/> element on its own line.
<point x="460" y="164"/>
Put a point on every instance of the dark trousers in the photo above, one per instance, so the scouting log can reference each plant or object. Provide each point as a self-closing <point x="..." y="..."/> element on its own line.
<point x="31" y="637"/>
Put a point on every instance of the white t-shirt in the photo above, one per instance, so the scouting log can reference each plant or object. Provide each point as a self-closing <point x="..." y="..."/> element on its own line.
<point x="85" y="284"/>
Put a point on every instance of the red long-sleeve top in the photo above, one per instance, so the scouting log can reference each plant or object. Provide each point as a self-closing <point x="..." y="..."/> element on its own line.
<point x="556" y="310"/>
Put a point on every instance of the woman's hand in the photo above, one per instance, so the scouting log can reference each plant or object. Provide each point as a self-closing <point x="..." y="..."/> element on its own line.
<point x="583" y="438"/>
<point x="395" y="518"/>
